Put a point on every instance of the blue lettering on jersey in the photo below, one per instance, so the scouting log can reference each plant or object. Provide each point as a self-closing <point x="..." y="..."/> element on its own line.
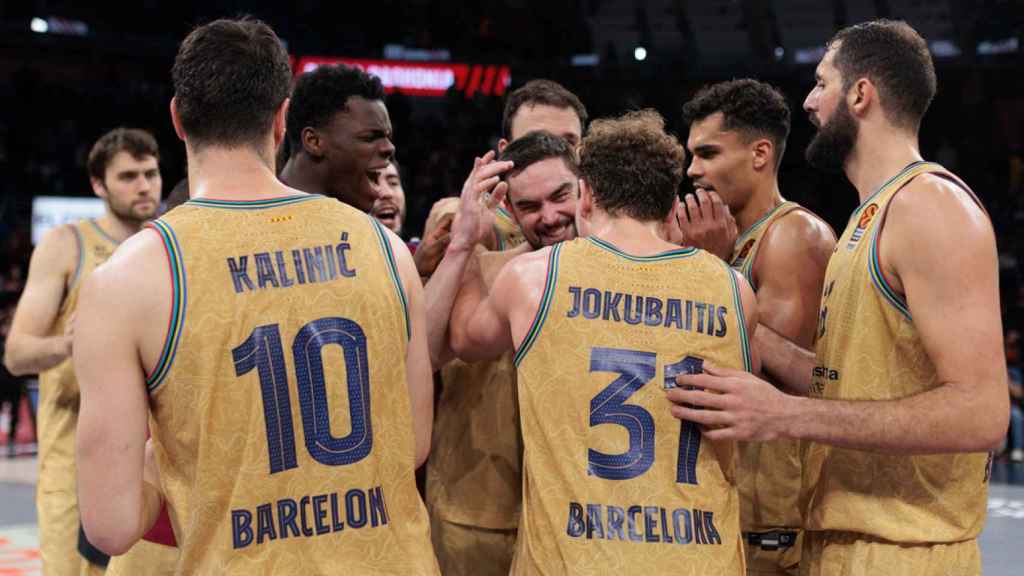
<point x="642" y="524"/>
<point x="314" y="515"/>
<point x="635" y="309"/>
<point x="307" y="266"/>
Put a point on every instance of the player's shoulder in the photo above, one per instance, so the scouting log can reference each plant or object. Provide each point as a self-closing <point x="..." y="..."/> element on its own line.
<point x="799" y="231"/>
<point x="936" y="191"/>
<point x="59" y="237"/>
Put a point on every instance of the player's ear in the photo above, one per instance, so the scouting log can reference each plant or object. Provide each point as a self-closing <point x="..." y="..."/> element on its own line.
<point x="502" y="143"/>
<point x="175" y="119"/>
<point x="761" y="153"/>
<point x="98" y="188"/>
<point x="586" y="202"/>
<point x="281" y="122"/>
<point x="312" y="143"/>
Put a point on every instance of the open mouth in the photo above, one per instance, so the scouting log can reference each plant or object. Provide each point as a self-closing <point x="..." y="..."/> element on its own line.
<point x="387" y="214"/>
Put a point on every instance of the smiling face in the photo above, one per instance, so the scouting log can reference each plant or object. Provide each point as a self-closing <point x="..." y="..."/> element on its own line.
<point x="543" y="199"/>
<point x="721" y="161"/>
<point x="131" y="187"/>
<point x="829" y="112"/>
<point x="390" y="206"/>
<point x="357" y="148"/>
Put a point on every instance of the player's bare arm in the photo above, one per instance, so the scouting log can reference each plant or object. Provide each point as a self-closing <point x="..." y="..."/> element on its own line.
<point x="418" y="373"/>
<point x="481" y="193"/>
<point x="117" y="335"/>
<point x="492" y="321"/>
<point x="789" y="271"/>
<point x="951" y="287"/>
<point x="30" y="348"/>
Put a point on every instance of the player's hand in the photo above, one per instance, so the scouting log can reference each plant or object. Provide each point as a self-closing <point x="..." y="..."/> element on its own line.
<point x="731" y="405"/>
<point x="481" y="194"/>
<point x="705" y="222"/>
<point x="431" y="249"/>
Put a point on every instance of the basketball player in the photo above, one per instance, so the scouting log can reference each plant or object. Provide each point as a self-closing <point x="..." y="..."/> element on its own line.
<point x="474" y="474"/>
<point x="124" y="171"/>
<point x="611" y="479"/>
<point x="389" y="207"/>
<point x="738" y="133"/>
<point x="280" y="305"/>
<point x="908" y="384"/>
<point x="339" y="135"/>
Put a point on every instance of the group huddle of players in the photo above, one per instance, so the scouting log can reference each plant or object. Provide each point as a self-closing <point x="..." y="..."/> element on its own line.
<point x="630" y="382"/>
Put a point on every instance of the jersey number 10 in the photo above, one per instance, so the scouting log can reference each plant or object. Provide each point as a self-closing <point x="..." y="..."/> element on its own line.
<point x="262" y="350"/>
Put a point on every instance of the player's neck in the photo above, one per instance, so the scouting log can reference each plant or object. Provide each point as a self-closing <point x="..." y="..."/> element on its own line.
<point x="761" y="202"/>
<point x="233" y="174"/>
<point x="878" y="157"/>
<point x="630" y="235"/>
<point x="301" y="174"/>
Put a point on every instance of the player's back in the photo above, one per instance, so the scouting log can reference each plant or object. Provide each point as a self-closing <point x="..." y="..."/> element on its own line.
<point x="282" y="415"/>
<point x="613" y="483"/>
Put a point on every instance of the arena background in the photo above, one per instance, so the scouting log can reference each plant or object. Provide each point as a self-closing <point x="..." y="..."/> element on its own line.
<point x="70" y="71"/>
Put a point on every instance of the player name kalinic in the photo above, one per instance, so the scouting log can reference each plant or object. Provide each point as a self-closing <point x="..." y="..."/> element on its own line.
<point x="644" y="524"/>
<point x="702" y="317"/>
<point x="309" y="516"/>
<point x="282" y="269"/>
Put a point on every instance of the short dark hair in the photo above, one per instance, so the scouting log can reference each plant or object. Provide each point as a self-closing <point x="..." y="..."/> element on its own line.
<point x="537" y="146"/>
<point x="540" y="91"/>
<point x="632" y="165"/>
<point x="754" y="108"/>
<point x="139" y="143"/>
<point x="896" y="59"/>
<point x="230" y="77"/>
<point x="320" y="94"/>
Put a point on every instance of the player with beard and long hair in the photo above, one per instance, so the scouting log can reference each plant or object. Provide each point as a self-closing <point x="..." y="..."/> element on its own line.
<point x="124" y="171"/>
<point x="907" y="384"/>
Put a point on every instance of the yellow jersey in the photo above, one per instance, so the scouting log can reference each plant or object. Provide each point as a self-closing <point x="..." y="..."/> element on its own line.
<point x="869" y="349"/>
<point x="769" y="472"/>
<point x="281" y="414"/>
<point x="613" y="483"/>
<point x="58" y="389"/>
<point x="474" y="474"/>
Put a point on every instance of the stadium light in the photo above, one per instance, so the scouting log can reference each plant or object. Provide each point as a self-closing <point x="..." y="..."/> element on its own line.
<point x="640" y="53"/>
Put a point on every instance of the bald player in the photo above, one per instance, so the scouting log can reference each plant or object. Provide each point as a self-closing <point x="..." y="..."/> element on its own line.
<point x="290" y="388"/>
<point x="599" y="325"/>
<point x="474" y="484"/>
<point x="124" y="171"/>
<point x="907" y="385"/>
<point x="737" y="137"/>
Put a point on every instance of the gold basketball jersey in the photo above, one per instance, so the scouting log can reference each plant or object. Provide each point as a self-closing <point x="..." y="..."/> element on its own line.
<point x="281" y="411"/>
<point x="614" y="483"/>
<point x="506" y="231"/>
<point x="769" y="472"/>
<point x="58" y="388"/>
<point x="474" y="474"/>
<point x="868" y="349"/>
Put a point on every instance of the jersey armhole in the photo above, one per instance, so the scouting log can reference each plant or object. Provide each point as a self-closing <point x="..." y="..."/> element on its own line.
<point x="741" y="319"/>
<point x="396" y="279"/>
<point x="542" y="309"/>
<point x="80" y="245"/>
<point x="178" y="300"/>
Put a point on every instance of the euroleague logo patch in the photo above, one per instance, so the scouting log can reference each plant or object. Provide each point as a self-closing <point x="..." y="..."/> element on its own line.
<point x="865" y="219"/>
